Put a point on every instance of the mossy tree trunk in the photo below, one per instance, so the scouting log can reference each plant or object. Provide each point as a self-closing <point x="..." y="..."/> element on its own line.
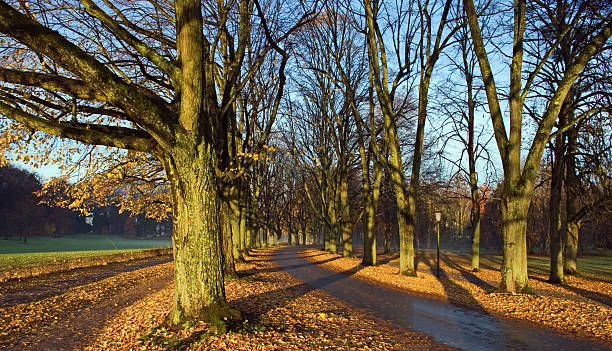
<point x="229" y="267"/>
<point x="234" y="219"/>
<point x="514" y="209"/>
<point x="197" y="242"/>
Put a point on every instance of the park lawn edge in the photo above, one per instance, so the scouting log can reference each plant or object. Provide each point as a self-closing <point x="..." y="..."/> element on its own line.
<point x="76" y="259"/>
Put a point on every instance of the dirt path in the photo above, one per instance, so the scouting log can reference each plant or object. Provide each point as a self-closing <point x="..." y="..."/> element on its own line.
<point x="454" y="326"/>
<point x="75" y="308"/>
<point x="33" y="289"/>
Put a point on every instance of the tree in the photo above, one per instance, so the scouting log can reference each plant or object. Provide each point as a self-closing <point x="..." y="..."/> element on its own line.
<point x="461" y="104"/>
<point x="418" y="56"/>
<point x="328" y="47"/>
<point x="519" y="176"/>
<point x="174" y="99"/>
<point x="583" y="100"/>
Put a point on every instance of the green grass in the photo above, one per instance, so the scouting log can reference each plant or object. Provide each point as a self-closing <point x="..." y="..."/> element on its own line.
<point x="597" y="265"/>
<point x="83" y="242"/>
<point x="15" y="253"/>
<point x="592" y="263"/>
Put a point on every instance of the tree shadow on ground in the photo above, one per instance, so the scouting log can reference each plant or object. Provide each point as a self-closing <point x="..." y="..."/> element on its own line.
<point x="468" y="275"/>
<point x="254" y="306"/>
<point x="250" y="272"/>
<point x="385" y="260"/>
<point x="603" y="299"/>
<point x="456" y="294"/>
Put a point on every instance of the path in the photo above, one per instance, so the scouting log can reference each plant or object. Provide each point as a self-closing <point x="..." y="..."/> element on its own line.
<point x="454" y="326"/>
<point x="33" y="289"/>
<point x="68" y="328"/>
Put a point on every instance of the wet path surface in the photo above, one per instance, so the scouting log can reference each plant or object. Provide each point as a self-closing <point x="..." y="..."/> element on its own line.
<point x="454" y="326"/>
<point x="33" y="289"/>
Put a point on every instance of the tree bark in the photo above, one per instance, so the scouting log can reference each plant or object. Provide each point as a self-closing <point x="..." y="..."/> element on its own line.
<point x="234" y="218"/>
<point x="229" y="267"/>
<point x="573" y="217"/>
<point x="199" y="288"/>
<point x="554" y="212"/>
<point x="514" y="208"/>
<point x="475" y="197"/>
<point x="347" y="240"/>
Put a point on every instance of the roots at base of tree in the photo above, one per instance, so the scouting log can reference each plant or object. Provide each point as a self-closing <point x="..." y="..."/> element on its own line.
<point x="526" y="290"/>
<point x="408" y="273"/>
<point x="365" y="264"/>
<point x="219" y="318"/>
<point x="556" y="281"/>
<point x="569" y="271"/>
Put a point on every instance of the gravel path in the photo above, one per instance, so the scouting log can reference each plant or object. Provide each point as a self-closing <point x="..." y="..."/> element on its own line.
<point x="457" y="327"/>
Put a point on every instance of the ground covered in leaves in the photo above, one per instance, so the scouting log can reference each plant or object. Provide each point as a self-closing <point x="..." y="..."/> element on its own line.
<point x="67" y="320"/>
<point x="282" y="314"/>
<point x="581" y="307"/>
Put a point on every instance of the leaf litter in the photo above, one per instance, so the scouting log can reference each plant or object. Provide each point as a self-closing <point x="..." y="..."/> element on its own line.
<point x="581" y="307"/>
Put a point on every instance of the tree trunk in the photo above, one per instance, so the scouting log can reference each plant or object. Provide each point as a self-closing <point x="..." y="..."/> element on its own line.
<point x="475" y="195"/>
<point x="243" y="225"/>
<point x="554" y="212"/>
<point x="570" y="264"/>
<point x="332" y="231"/>
<point x="199" y="283"/>
<point x="406" y="230"/>
<point x="387" y="237"/>
<point x="229" y="267"/>
<point x="369" y="219"/>
<point x="514" y="208"/>
<point x="574" y="219"/>
<point x="347" y="240"/>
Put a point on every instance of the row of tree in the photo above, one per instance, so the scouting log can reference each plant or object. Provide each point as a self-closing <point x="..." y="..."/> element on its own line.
<point x="186" y="108"/>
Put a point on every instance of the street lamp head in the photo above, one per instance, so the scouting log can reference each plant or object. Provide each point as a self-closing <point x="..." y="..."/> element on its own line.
<point x="438" y="215"/>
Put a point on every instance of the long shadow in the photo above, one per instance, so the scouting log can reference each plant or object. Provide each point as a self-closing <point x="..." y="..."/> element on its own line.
<point x="263" y="302"/>
<point x="592" y="295"/>
<point x="386" y="260"/>
<point x="469" y="276"/>
<point x="456" y="294"/>
<point x="37" y="288"/>
<point x="278" y="269"/>
<point x="466" y="328"/>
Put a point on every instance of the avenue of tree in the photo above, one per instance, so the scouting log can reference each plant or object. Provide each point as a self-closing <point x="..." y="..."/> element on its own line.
<point x="246" y="121"/>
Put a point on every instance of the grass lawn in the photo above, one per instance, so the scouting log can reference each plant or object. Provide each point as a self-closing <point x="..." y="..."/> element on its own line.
<point x="15" y="253"/>
<point x="600" y="265"/>
<point x="591" y="263"/>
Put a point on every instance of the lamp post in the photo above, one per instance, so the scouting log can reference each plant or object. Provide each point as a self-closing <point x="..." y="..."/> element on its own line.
<point x="438" y="216"/>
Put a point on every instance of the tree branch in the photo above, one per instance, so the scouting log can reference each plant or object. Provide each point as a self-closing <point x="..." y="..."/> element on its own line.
<point x="159" y="121"/>
<point x="168" y="67"/>
<point x="73" y="87"/>
<point x="94" y="134"/>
